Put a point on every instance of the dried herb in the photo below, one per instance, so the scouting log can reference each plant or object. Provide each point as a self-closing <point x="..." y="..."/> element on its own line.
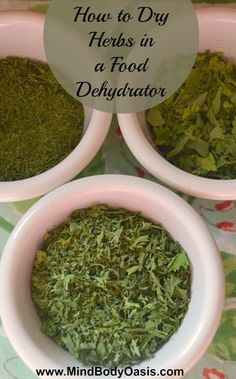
<point x="40" y="124"/>
<point x="195" y="129"/>
<point x="110" y="286"/>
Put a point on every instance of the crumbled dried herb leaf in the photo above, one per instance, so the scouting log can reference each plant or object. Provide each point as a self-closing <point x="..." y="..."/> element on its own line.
<point x="40" y="124"/>
<point x="110" y="286"/>
<point x="195" y="129"/>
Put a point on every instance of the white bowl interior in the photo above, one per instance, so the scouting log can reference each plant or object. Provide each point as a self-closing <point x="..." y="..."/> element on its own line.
<point x="217" y="28"/>
<point x="21" y="34"/>
<point x="156" y="203"/>
<point x="218" y="31"/>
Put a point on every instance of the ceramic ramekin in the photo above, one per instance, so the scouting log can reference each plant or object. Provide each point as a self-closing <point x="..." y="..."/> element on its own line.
<point x="156" y="203"/>
<point x="21" y="34"/>
<point x="217" y="33"/>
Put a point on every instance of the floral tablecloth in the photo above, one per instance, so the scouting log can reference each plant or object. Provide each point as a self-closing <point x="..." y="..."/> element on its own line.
<point x="220" y="360"/>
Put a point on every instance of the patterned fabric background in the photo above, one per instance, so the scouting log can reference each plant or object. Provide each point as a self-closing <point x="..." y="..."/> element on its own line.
<point x="220" y="360"/>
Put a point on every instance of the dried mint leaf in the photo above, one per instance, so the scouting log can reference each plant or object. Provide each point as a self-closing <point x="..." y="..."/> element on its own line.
<point x="40" y="124"/>
<point x="110" y="287"/>
<point x="195" y="129"/>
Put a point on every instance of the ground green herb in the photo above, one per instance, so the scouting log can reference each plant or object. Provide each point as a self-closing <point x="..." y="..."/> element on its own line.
<point x="110" y="287"/>
<point x="195" y="129"/>
<point x="40" y="124"/>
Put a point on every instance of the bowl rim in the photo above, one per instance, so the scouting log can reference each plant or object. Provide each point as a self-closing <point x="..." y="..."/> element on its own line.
<point x="212" y="298"/>
<point x="159" y="167"/>
<point x="88" y="146"/>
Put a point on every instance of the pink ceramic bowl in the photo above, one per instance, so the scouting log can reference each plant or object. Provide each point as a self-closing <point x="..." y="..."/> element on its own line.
<point x="21" y="34"/>
<point x="217" y="33"/>
<point x="156" y="203"/>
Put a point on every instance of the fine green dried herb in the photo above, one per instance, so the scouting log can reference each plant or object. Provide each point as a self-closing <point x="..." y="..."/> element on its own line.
<point x="195" y="129"/>
<point x="110" y="286"/>
<point x="40" y="124"/>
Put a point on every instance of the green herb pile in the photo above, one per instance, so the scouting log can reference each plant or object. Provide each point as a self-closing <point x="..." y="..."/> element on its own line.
<point x="40" y="124"/>
<point x="195" y="129"/>
<point x="110" y="287"/>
